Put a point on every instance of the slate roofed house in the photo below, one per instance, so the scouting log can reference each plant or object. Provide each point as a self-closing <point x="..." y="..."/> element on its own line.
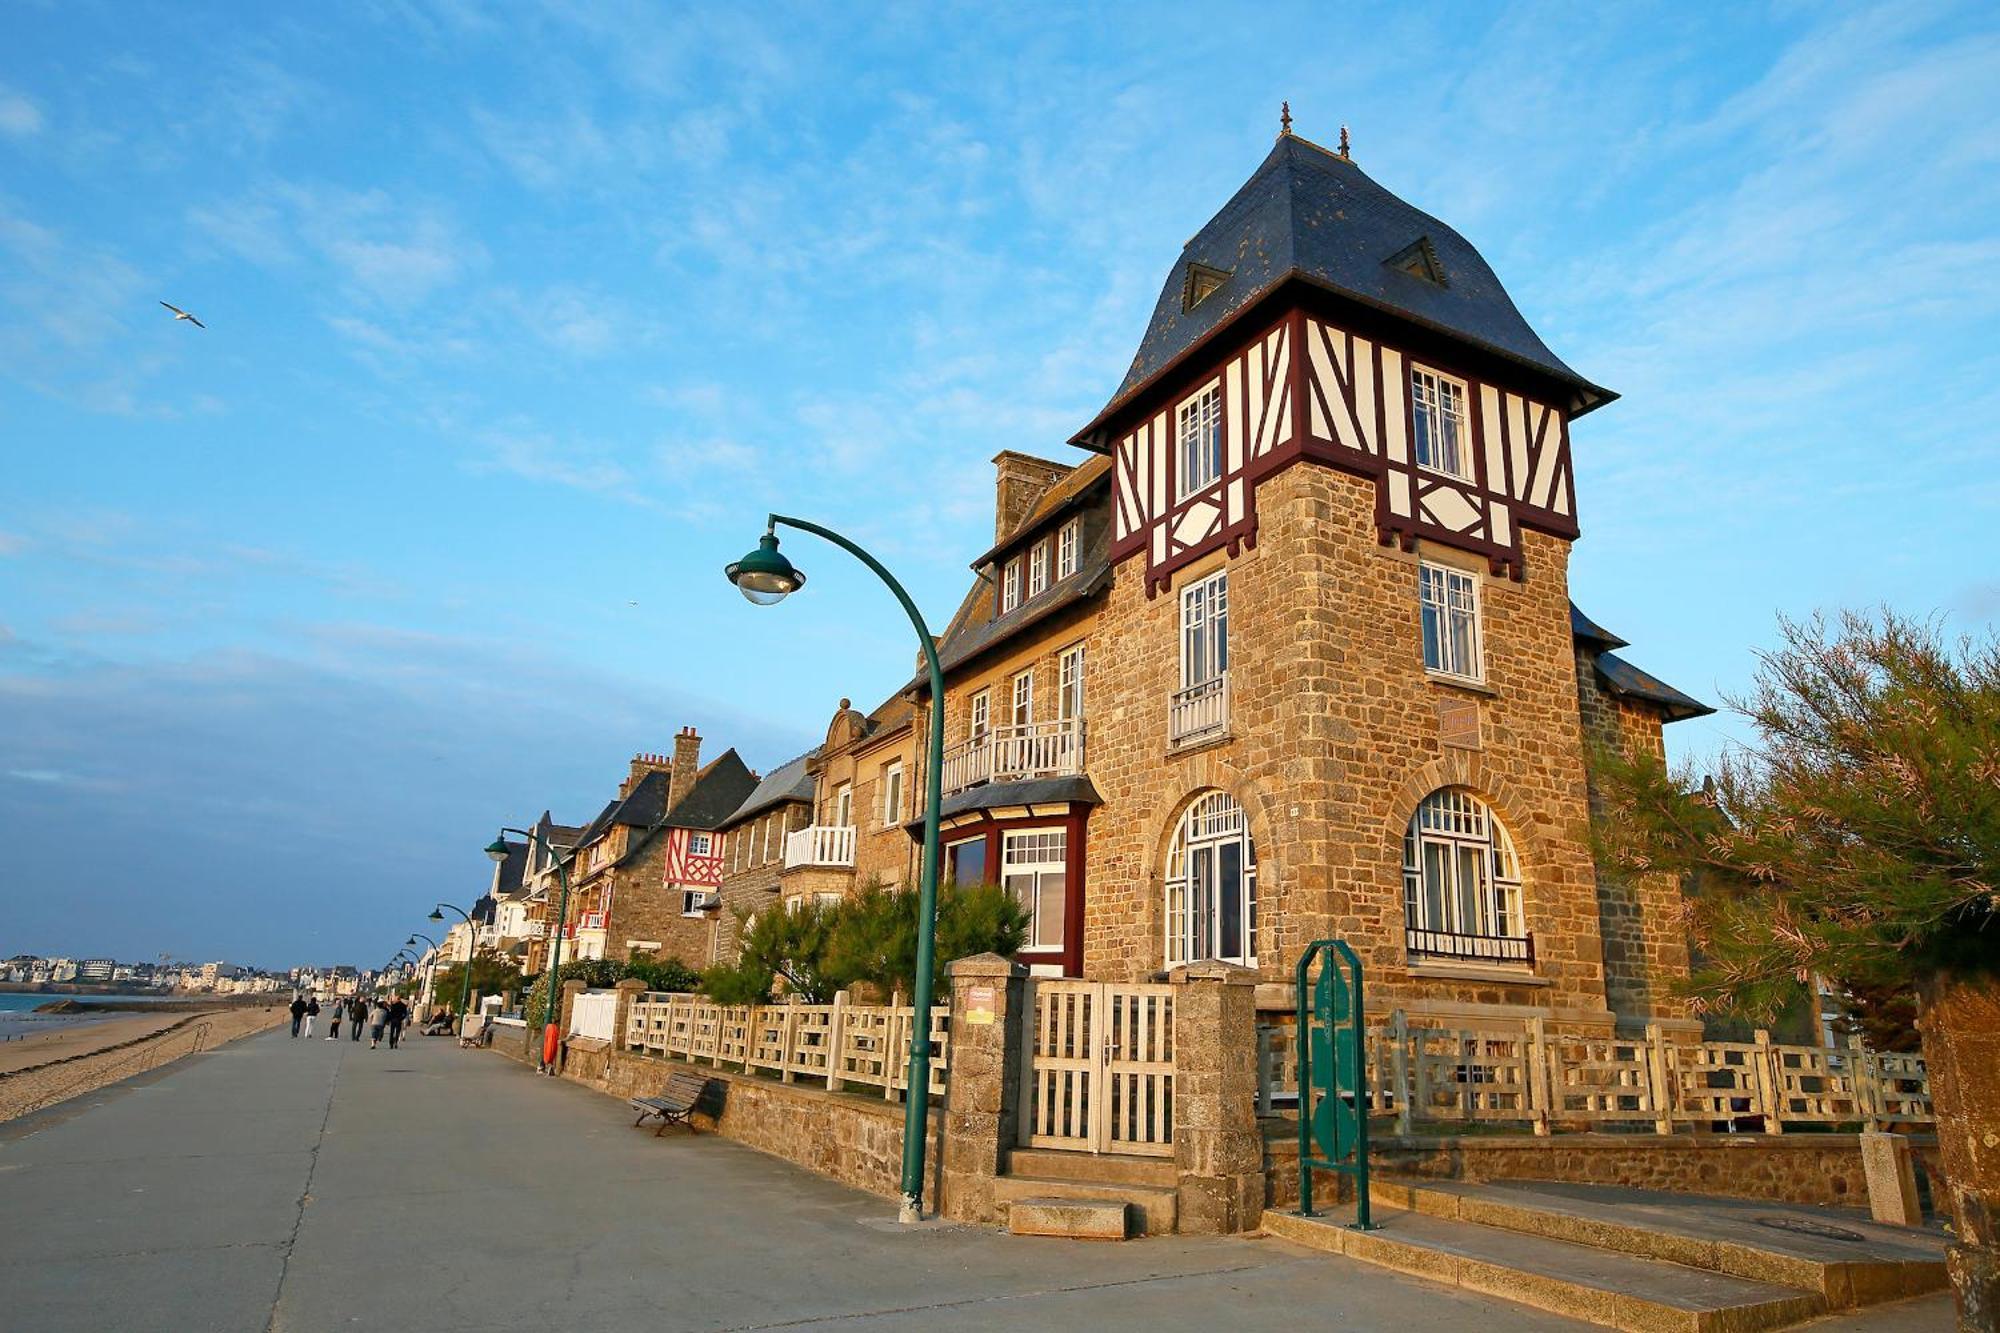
<point x="753" y="847"/>
<point x="645" y="870"/>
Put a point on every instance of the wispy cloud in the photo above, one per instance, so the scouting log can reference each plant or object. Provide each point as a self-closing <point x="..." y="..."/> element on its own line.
<point x="20" y="118"/>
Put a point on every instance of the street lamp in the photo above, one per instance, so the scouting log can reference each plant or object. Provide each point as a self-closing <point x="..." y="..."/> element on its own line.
<point x="471" y="947"/>
<point x="765" y="577"/>
<point x="497" y="850"/>
<point x="430" y="968"/>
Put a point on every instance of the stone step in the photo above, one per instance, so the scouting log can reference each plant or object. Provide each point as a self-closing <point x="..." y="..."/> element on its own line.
<point x="1154" y="1210"/>
<point x="1077" y="1219"/>
<point x="1604" y="1287"/>
<point x="1099" y="1168"/>
<point x="1848" y="1260"/>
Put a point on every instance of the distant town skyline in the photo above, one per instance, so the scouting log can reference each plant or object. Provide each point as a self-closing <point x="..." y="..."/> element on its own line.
<point x="510" y="342"/>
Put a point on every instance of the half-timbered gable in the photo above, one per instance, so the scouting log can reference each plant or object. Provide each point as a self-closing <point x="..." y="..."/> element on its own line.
<point x="1336" y="323"/>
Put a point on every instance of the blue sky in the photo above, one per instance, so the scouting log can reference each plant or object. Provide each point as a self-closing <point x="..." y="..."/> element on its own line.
<point x="521" y="317"/>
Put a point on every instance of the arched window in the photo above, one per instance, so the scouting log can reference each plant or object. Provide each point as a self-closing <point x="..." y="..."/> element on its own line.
<point x="1212" y="885"/>
<point x="1461" y="882"/>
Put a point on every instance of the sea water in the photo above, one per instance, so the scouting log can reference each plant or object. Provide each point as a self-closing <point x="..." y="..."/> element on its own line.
<point x="18" y="1019"/>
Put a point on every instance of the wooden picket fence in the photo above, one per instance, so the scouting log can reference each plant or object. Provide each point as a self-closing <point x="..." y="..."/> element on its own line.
<point x="1525" y="1074"/>
<point x="838" y="1044"/>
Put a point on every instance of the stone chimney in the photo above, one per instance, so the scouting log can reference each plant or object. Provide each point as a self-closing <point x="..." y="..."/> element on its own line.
<point x="1019" y="482"/>
<point x="687" y="762"/>
<point x="642" y="764"/>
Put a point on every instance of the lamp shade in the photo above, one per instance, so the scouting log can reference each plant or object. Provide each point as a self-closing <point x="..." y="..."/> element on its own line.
<point x="765" y="577"/>
<point x="497" y="849"/>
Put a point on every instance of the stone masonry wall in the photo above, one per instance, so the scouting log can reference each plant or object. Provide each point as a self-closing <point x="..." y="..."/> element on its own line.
<point x="644" y="908"/>
<point x="1642" y="920"/>
<point x="1334" y="738"/>
<point x="854" y="1139"/>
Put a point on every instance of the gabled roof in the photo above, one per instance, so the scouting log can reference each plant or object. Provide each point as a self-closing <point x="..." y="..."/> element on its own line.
<point x="1310" y="215"/>
<point x="507" y="883"/>
<point x="789" y="781"/>
<point x="1065" y="495"/>
<point x="594" y="830"/>
<point x="719" y="787"/>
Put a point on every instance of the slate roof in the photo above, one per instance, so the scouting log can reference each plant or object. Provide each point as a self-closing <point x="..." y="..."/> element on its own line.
<point x="1622" y="678"/>
<point x="719" y="788"/>
<point x="1034" y="791"/>
<point x="789" y="781"/>
<point x="512" y="870"/>
<point x="1627" y="681"/>
<point x="483" y="909"/>
<point x="1309" y="214"/>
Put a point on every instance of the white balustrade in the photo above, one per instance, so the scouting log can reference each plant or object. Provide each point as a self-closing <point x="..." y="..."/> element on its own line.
<point x="820" y="845"/>
<point x="840" y="1045"/>
<point x="1016" y="753"/>
<point x="1199" y="712"/>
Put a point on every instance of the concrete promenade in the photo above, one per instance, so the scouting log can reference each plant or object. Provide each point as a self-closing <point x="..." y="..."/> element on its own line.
<point x="285" y="1185"/>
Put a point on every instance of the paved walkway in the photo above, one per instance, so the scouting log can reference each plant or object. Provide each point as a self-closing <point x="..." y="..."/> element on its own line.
<point x="303" y="1186"/>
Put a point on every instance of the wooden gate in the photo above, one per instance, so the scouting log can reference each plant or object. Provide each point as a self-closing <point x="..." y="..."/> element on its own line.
<point x="1100" y="1068"/>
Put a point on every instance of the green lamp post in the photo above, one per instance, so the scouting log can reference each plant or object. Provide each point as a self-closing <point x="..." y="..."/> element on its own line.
<point x="497" y="850"/>
<point x="471" y="948"/>
<point x="430" y="969"/>
<point x="765" y="577"/>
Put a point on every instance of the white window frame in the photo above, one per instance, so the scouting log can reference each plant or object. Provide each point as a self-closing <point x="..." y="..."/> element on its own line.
<point x="1068" y="542"/>
<point x="1198" y="436"/>
<point x="699" y="844"/>
<point x="1448" y="600"/>
<point x="1460" y="873"/>
<point x="1021" y="696"/>
<point x="694" y="902"/>
<point x="1010" y="585"/>
<point x="1038" y="568"/>
<point x="1440" y="430"/>
<point x="1204" y="630"/>
<point x="1029" y="858"/>
<point x="892" y="793"/>
<point x="979" y="715"/>
<point x="1069" y="683"/>
<point x="843" y="805"/>
<point x="1209" y="830"/>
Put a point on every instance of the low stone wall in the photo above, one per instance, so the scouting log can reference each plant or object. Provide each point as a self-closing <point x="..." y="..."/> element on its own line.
<point x="1820" y="1169"/>
<point x="849" y="1137"/>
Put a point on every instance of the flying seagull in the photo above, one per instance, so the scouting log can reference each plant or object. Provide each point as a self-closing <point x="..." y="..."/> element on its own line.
<point x="182" y="314"/>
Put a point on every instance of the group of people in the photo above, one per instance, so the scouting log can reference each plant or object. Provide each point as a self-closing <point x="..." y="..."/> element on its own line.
<point x="379" y="1016"/>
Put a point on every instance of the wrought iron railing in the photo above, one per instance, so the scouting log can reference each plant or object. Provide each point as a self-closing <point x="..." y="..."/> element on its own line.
<point x="1457" y="946"/>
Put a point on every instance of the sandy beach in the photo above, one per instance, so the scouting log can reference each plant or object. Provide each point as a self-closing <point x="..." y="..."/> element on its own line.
<point x="51" y="1067"/>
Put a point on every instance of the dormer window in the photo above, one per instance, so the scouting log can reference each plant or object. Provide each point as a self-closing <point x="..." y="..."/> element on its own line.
<point x="1201" y="281"/>
<point x="1437" y="423"/>
<point x="1200" y="436"/>
<point x="1067" y="542"/>
<point x="1010" y="586"/>
<point x="1038" y="569"/>
<point x="1419" y="259"/>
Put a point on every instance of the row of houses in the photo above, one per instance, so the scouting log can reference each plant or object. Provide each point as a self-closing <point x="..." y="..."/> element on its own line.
<point x="1283" y="650"/>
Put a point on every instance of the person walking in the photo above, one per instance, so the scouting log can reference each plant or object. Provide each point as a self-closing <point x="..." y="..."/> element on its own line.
<point x="312" y="1012"/>
<point x="399" y="1014"/>
<point x="335" y="1009"/>
<point x="378" y="1017"/>
<point x="298" y="1013"/>
<point x="357" y="1017"/>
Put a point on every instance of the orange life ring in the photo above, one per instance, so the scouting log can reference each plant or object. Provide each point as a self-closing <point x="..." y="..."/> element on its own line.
<point x="551" y="1043"/>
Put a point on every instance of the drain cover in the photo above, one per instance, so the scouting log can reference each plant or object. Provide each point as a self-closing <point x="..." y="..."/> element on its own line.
<point x="1805" y="1226"/>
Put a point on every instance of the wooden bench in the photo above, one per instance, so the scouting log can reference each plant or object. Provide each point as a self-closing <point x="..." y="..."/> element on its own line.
<point x="675" y="1103"/>
<point x="470" y="1037"/>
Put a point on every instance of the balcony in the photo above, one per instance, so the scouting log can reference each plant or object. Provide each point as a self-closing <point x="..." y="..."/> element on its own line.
<point x="1452" y="947"/>
<point x="1015" y="754"/>
<point x="1198" y="713"/>
<point x="820" y="845"/>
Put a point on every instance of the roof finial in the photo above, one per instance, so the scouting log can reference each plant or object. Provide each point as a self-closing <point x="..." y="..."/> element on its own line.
<point x="1343" y="144"/>
<point x="1284" y="119"/>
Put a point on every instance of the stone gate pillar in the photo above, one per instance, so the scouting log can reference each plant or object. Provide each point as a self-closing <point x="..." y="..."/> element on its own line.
<point x="1218" y="1148"/>
<point x="982" y="1090"/>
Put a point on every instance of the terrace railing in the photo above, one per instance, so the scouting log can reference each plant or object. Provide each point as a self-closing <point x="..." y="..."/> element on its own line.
<point x="839" y="1045"/>
<point x="1523" y="1074"/>
<point x="1199" y="712"/>
<point x="1016" y="753"/>
<point x="820" y="845"/>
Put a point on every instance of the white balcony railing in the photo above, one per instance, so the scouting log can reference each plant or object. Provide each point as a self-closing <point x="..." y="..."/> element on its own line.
<point x="1015" y="753"/>
<point x="533" y="930"/>
<point x="1199" y="712"/>
<point x="820" y="845"/>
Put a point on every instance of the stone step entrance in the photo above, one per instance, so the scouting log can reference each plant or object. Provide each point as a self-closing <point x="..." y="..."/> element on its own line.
<point x="1632" y="1259"/>
<point x="1038" y="1181"/>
